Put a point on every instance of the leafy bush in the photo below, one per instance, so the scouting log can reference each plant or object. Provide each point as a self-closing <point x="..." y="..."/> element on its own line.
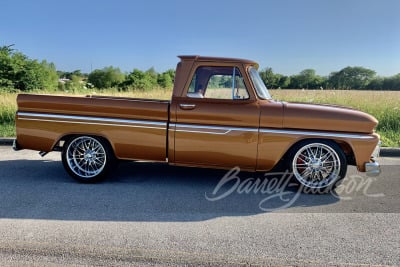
<point x="106" y="78"/>
<point x="17" y="71"/>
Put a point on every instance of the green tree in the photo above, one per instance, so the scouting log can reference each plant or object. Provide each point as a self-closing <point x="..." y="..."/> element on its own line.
<point x="171" y="73"/>
<point x="391" y="83"/>
<point x="140" y="80"/>
<point x="150" y="76"/>
<point x="68" y="75"/>
<point x="307" y="79"/>
<point x="270" y="79"/>
<point x="19" y="72"/>
<point x="7" y="67"/>
<point x="375" y="84"/>
<point x="284" y="82"/>
<point x="75" y="83"/>
<point x="351" y="78"/>
<point x="164" y="80"/>
<point x="106" y="78"/>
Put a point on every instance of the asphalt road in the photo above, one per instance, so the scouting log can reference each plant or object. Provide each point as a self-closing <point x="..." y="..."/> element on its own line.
<point x="151" y="214"/>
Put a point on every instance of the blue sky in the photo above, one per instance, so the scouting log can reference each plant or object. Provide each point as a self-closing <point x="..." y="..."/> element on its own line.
<point x="286" y="35"/>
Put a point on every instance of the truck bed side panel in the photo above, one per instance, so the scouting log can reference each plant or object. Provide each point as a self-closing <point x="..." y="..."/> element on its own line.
<point x="135" y="128"/>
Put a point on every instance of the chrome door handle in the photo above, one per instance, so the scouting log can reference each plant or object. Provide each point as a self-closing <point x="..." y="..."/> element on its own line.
<point x="187" y="106"/>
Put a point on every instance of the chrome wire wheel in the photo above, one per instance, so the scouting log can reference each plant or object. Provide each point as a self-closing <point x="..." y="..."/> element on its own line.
<point x="86" y="157"/>
<point x="317" y="165"/>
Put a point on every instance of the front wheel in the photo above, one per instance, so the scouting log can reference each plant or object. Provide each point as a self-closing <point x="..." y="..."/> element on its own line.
<point x="87" y="159"/>
<point x="318" y="165"/>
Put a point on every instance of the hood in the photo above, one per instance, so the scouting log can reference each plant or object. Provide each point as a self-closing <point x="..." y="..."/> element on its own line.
<point x="326" y="118"/>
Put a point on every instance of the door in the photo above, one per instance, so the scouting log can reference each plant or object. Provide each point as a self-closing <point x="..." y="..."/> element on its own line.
<point x="217" y="121"/>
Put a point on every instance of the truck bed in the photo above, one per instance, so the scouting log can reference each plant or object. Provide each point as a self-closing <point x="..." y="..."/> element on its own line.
<point x="135" y="128"/>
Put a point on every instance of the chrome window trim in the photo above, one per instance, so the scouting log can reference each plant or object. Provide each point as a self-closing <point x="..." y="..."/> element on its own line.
<point x="75" y="119"/>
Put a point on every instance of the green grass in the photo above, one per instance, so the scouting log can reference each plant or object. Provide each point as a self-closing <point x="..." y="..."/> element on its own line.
<point x="8" y="107"/>
<point x="384" y="105"/>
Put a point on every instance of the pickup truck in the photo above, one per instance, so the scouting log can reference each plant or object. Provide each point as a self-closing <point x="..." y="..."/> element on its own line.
<point x="220" y="115"/>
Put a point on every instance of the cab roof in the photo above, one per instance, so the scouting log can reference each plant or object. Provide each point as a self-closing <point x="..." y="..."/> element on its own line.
<point x="217" y="59"/>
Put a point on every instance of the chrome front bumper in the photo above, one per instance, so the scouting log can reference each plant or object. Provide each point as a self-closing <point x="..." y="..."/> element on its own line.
<point x="373" y="168"/>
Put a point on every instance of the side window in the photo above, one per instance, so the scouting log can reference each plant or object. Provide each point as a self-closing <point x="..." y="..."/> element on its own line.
<point x="218" y="83"/>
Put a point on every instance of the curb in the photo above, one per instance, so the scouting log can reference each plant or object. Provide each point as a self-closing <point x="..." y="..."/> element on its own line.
<point x="385" y="151"/>
<point x="6" y="141"/>
<point x="390" y="152"/>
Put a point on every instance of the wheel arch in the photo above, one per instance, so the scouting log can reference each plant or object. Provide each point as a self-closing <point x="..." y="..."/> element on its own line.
<point x="344" y="146"/>
<point x="58" y="145"/>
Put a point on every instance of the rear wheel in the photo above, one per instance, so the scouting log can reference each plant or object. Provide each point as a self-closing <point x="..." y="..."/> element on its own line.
<point x="87" y="159"/>
<point x="318" y="165"/>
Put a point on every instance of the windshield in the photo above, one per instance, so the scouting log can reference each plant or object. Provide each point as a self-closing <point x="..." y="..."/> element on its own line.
<point x="259" y="85"/>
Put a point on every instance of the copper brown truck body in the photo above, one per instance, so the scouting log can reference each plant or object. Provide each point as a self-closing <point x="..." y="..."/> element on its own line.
<point x="251" y="132"/>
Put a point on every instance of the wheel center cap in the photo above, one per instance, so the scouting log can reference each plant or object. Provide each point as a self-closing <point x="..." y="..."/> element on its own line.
<point x="89" y="155"/>
<point x="316" y="164"/>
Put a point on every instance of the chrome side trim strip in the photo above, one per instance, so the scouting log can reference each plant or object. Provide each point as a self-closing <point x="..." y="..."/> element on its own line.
<point x="313" y="133"/>
<point x="75" y="119"/>
<point x="178" y="127"/>
<point x="130" y="99"/>
<point x="208" y="129"/>
<point x="223" y="130"/>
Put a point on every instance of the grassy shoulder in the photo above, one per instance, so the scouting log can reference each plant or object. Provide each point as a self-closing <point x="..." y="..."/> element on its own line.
<point x="384" y="105"/>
